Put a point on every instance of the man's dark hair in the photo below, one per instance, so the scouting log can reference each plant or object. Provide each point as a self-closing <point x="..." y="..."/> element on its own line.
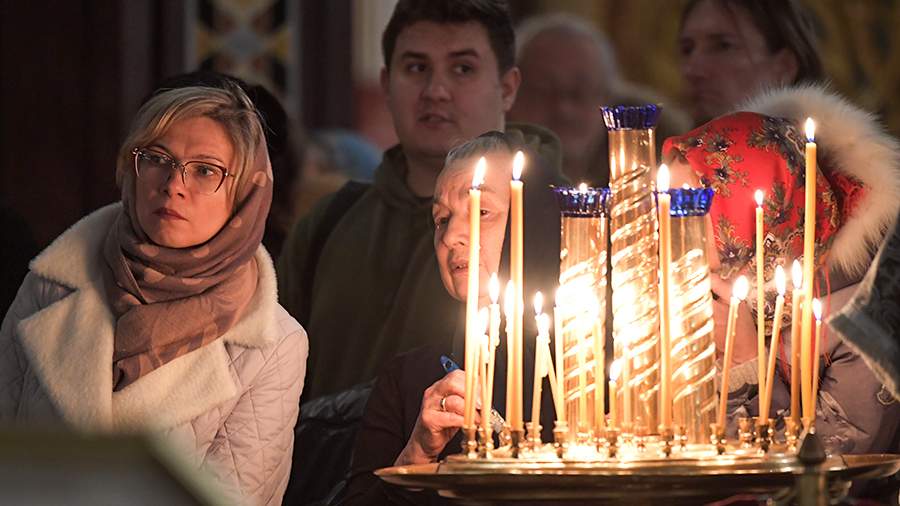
<point x="493" y="15"/>
<point x="783" y="24"/>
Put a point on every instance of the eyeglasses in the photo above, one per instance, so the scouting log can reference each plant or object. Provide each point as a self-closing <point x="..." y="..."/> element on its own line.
<point x="199" y="177"/>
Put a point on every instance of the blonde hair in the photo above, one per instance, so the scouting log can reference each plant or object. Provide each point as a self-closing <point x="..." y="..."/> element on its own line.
<point x="228" y="106"/>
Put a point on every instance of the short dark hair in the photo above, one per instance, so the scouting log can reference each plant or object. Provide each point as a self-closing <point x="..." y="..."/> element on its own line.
<point x="784" y="24"/>
<point x="493" y="15"/>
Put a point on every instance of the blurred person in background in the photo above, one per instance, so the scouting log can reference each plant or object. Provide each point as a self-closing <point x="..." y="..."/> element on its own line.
<point x="732" y="50"/>
<point x="569" y="70"/>
<point x="159" y="313"/>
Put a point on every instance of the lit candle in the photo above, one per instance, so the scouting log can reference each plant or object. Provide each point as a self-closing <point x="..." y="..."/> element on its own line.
<point x="494" y="340"/>
<point x="614" y="369"/>
<point x="599" y="362"/>
<point x="541" y="366"/>
<point x="560" y="359"/>
<point x="796" y="302"/>
<point x="665" y="265"/>
<point x="738" y="294"/>
<point x="538" y="362"/>
<point x="809" y="238"/>
<point x="817" y="311"/>
<point x="766" y="399"/>
<point x="760" y="297"/>
<point x="473" y="337"/>
<point x="509" y="309"/>
<point x="484" y="371"/>
<point x="516" y="232"/>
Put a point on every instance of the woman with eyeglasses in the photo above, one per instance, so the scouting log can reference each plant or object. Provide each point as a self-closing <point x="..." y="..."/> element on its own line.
<point x="159" y="313"/>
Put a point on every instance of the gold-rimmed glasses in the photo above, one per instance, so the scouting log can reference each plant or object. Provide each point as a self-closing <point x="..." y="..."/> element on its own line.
<point x="197" y="176"/>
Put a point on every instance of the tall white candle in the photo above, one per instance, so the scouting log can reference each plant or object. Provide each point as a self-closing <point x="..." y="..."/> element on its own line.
<point x="473" y="336"/>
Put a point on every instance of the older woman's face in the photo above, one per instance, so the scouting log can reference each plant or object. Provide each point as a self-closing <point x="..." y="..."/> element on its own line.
<point x="451" y="221"/>
<point x="725" y="59"/>
<point x="170" y="214"/>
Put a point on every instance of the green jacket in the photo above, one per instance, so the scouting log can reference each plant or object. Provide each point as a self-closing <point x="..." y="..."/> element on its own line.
<point x="376" y="291"/>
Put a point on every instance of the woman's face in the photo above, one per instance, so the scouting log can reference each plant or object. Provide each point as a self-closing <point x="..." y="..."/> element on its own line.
<point x="451" y="221"/>
<point x="172" y="215"/>
<point x="725" y="59"/>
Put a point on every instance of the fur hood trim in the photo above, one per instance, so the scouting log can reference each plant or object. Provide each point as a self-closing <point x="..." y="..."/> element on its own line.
<point x="852" y="142"/>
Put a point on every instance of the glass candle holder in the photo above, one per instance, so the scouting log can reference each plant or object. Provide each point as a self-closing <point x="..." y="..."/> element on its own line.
<point x="581" y="307"/>
<point x="635" y="259"/>
<point x="693" y="347"/>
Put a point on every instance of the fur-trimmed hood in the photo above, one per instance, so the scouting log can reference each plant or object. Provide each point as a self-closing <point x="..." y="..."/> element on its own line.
<point x="855" y="144"/>
<point x="69" y="341"/>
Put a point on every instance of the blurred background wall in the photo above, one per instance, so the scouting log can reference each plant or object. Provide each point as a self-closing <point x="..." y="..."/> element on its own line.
<point x="75" y="72"/>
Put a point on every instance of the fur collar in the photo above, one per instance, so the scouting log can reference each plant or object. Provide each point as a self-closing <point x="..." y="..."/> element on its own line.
<point x="70" y="343"/>
<point x="856" y="145"/>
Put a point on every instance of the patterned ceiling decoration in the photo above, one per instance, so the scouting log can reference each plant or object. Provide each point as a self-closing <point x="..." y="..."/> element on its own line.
<point x="252" y="39"/>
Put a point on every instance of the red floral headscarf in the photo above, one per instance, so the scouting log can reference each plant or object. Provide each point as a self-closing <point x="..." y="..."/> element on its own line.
<point x="740" y="153"/>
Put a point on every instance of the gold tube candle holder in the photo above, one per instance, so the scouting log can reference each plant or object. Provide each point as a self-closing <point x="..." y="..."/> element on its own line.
<point x="692" y="347"/>
<point x="581" y="308"/>
<point x="635" y="261"/>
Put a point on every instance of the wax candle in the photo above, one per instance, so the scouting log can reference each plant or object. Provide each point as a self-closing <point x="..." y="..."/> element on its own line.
<point x="796" y="302"/>
<point x="599" y="363"/>
<point x="473" y="337"/>
<point x="665" y="266"/>
<point x="738" y="294"/>
<point x="614" y="370"/>
<point x="817" y="352"/>
<point x="509" y="309"/>
<point x="538" y="362"/>
<point x="809" y="238"/>
<point x="766" y="398"/>
<point x="493" y="340"/>
<point x="560" y="359"/>
<point x="484" y="370"/>
<point x="516" y="233"/>
<point x="760" y="296"/>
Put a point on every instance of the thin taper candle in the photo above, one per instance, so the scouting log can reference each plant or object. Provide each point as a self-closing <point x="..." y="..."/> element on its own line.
<point x="472" y="325"/>
<point x="817" y="352"/>
<point x="781" y="285"/>
<point x="516" y="233"/>
<point x="665" y="266"/>
<point x="809" y="254"/>
<point x="760" y="296"/>
<point x="739" y="293"/>
<point x="796" y="302"/>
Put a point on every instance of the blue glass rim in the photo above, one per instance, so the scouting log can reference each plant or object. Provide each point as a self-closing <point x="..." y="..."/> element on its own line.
<point x="690" y="201"/>
<point x="631" y="117"/>
<point x="575" y="202"/>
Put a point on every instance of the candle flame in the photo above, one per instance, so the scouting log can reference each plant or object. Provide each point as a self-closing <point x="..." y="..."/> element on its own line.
<point x="810" y="130"/>
<point x="817" y="309"/>
<point x="509" y="307"/>
<point x="538" y="302"/>
<point x="797" y="274"/>
<point x="662" y="178"/>
<point x="518" y="165"/>
<point x="494" y="288"/>
<point x="780" y="280"/>
<point x="615" y="369"/>
<point x="480" y="169"/>
<point x="759" y="198"/>
<point x="685" y="186"/>
<point x="741" y="287"/>
<point x="583" y="188"/>
<point x="483" y="318"/>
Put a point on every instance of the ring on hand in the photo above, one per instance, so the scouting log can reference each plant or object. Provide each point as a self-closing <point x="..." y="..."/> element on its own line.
<point x="444" y="403"/>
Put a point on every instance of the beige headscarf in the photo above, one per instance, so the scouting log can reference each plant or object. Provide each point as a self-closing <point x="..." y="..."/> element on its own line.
<point x="171" y="301"/>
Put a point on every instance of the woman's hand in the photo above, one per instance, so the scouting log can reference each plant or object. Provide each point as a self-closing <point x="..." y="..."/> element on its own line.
<point x="436" y="424"/>
<point x="745" y="332"/>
